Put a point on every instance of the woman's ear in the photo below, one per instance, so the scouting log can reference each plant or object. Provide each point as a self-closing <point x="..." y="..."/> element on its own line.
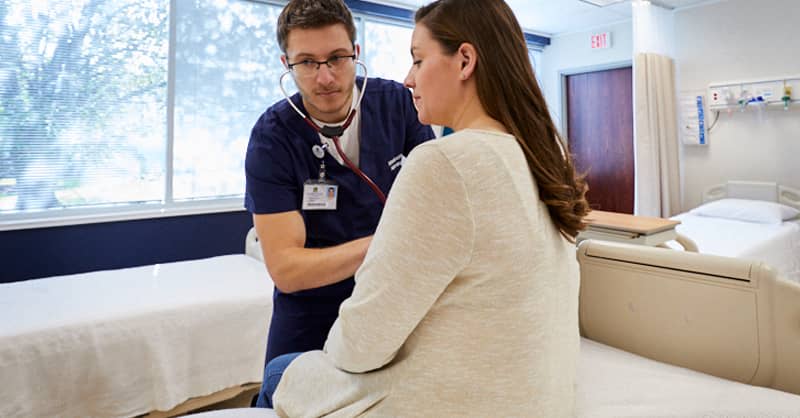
<point x="469" y="58"/>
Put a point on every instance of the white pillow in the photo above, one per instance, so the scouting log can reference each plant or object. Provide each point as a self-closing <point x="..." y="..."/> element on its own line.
<point x="759" y="211"/>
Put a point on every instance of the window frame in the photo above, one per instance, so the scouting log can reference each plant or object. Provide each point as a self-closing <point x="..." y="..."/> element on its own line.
<point x="362" y="12"/>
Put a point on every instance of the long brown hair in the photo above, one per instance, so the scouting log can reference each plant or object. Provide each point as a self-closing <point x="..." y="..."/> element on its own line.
<point x="510" y="94"/>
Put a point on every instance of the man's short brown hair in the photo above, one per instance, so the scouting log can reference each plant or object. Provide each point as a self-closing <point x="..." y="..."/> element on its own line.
<point x="312" y="14"/>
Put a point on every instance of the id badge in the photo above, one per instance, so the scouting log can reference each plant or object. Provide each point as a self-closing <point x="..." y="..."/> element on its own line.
<point x="320" y="195"/>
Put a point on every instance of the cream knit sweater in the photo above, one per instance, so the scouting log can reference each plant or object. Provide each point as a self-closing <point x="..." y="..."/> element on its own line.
<point x="466" y="304"/>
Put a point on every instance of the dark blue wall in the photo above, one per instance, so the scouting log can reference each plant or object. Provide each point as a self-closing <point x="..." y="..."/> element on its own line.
<point x="42" y="252"/>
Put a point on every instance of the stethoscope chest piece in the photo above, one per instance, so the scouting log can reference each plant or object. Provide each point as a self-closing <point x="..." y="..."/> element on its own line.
<point x="319" y="151"/>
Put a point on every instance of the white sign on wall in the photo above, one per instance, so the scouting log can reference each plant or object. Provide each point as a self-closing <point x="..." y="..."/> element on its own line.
<point x="693" y="119"/>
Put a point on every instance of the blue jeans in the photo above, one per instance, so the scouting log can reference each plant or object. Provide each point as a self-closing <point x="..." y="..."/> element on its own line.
<point x="272" y="376"/>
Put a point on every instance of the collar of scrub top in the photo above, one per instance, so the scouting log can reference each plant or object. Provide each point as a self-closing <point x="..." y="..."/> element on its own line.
<point x="334" y="132"/>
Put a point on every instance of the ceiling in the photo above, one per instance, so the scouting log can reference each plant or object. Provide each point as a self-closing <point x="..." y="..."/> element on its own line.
<point x="555" y="17"/>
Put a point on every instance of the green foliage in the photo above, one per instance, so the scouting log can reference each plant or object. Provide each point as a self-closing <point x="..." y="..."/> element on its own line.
<point x="67" y="67"/>
<point x="83" y="88"/>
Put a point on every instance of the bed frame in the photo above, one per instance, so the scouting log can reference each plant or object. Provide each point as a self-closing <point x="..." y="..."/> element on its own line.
<point x="726" y="317"/>
<point x="756" y="190"/>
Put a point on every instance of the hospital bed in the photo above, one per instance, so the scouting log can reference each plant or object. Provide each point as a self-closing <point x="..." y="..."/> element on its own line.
<point x="750" y="229"/>
<point x="700" y="334"/>
<point x="677" y="334"/>
<point x="703" y="335"/>
<point x="157" y="340"/>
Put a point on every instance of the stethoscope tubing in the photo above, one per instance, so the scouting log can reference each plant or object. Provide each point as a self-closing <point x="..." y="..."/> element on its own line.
<point x="335" y="138"/>
<point x="355" y="169"/>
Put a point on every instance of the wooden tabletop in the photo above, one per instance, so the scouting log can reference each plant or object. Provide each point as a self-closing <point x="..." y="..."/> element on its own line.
<point x="624" y="222"/>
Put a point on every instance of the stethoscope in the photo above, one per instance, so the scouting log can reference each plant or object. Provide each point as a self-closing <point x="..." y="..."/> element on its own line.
<point x="334" y="132"/>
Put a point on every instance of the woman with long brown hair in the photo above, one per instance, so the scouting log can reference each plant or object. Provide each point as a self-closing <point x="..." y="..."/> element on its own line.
<point x="467" y="301"/>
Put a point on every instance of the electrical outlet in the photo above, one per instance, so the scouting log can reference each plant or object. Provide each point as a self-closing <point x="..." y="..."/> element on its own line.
<point x="715" y="96"/>
<point x="723" y="96"/>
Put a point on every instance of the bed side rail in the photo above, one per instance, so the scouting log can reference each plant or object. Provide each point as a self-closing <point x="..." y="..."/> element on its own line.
<point x="726" y="317"/>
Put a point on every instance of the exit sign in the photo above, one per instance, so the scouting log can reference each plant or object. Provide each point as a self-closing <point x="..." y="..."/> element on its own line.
<point x="601" y="40"/>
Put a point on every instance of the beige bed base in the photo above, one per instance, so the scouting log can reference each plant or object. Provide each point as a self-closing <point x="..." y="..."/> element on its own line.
<point x="727" y="317"/>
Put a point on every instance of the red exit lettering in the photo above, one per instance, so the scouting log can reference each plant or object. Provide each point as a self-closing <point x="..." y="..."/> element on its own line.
<point x="600" y="40"/>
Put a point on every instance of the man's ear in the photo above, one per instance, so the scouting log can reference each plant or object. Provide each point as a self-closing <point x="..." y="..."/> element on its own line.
<point x="357" y="48"/>
<point x="469" y="58"/>
<point x="284" y="61"/>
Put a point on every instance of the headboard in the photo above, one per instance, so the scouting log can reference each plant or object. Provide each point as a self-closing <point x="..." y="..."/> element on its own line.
<point x="730" y="318"/>
<point x="755" y="190"/>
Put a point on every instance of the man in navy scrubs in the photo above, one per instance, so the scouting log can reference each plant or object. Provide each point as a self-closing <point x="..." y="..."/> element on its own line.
<point x="313" y="244"/>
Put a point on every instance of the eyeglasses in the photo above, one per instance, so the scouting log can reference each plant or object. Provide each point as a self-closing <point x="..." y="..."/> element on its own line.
<point x="309" y="67"/>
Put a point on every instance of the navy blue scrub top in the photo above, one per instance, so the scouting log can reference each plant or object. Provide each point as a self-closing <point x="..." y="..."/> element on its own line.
<point x="279" y="160"/>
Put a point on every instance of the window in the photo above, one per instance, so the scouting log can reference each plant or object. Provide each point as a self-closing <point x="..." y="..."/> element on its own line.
<point x="127" y="109"/>
<point x="82" y="103"/>
<point x="226" y="69"/>
<point x="386" y="49"/>
<point x="101" y="118"/>
<point x="535" y="56"/>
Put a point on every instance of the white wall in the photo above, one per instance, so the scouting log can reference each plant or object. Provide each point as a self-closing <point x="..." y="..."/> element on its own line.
<point x="730" y="41"/>
<point x="572" y="53"/>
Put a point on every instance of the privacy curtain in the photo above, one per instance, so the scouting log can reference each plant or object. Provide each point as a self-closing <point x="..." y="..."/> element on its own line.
<point x="656" y="137"/>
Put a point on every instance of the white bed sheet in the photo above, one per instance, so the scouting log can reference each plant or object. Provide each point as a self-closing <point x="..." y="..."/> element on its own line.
<point x="616" y="384"/>
<point x="121" y="343"/>
<point x="778" y="245"/>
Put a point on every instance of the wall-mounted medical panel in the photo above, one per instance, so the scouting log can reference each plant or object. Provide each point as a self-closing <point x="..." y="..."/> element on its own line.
<point x="772" y="92"/>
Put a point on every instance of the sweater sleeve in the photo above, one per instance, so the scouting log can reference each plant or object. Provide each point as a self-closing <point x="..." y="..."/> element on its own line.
<point x="424" y="239"/>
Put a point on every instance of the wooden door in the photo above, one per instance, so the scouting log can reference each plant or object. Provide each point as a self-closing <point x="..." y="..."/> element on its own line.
<point x="600" y="132"/>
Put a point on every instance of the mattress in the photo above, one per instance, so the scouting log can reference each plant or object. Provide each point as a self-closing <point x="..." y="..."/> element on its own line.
<point x="778" y="245"/>
<point x="121" y="343"/>
<point x="616" y="384"/>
